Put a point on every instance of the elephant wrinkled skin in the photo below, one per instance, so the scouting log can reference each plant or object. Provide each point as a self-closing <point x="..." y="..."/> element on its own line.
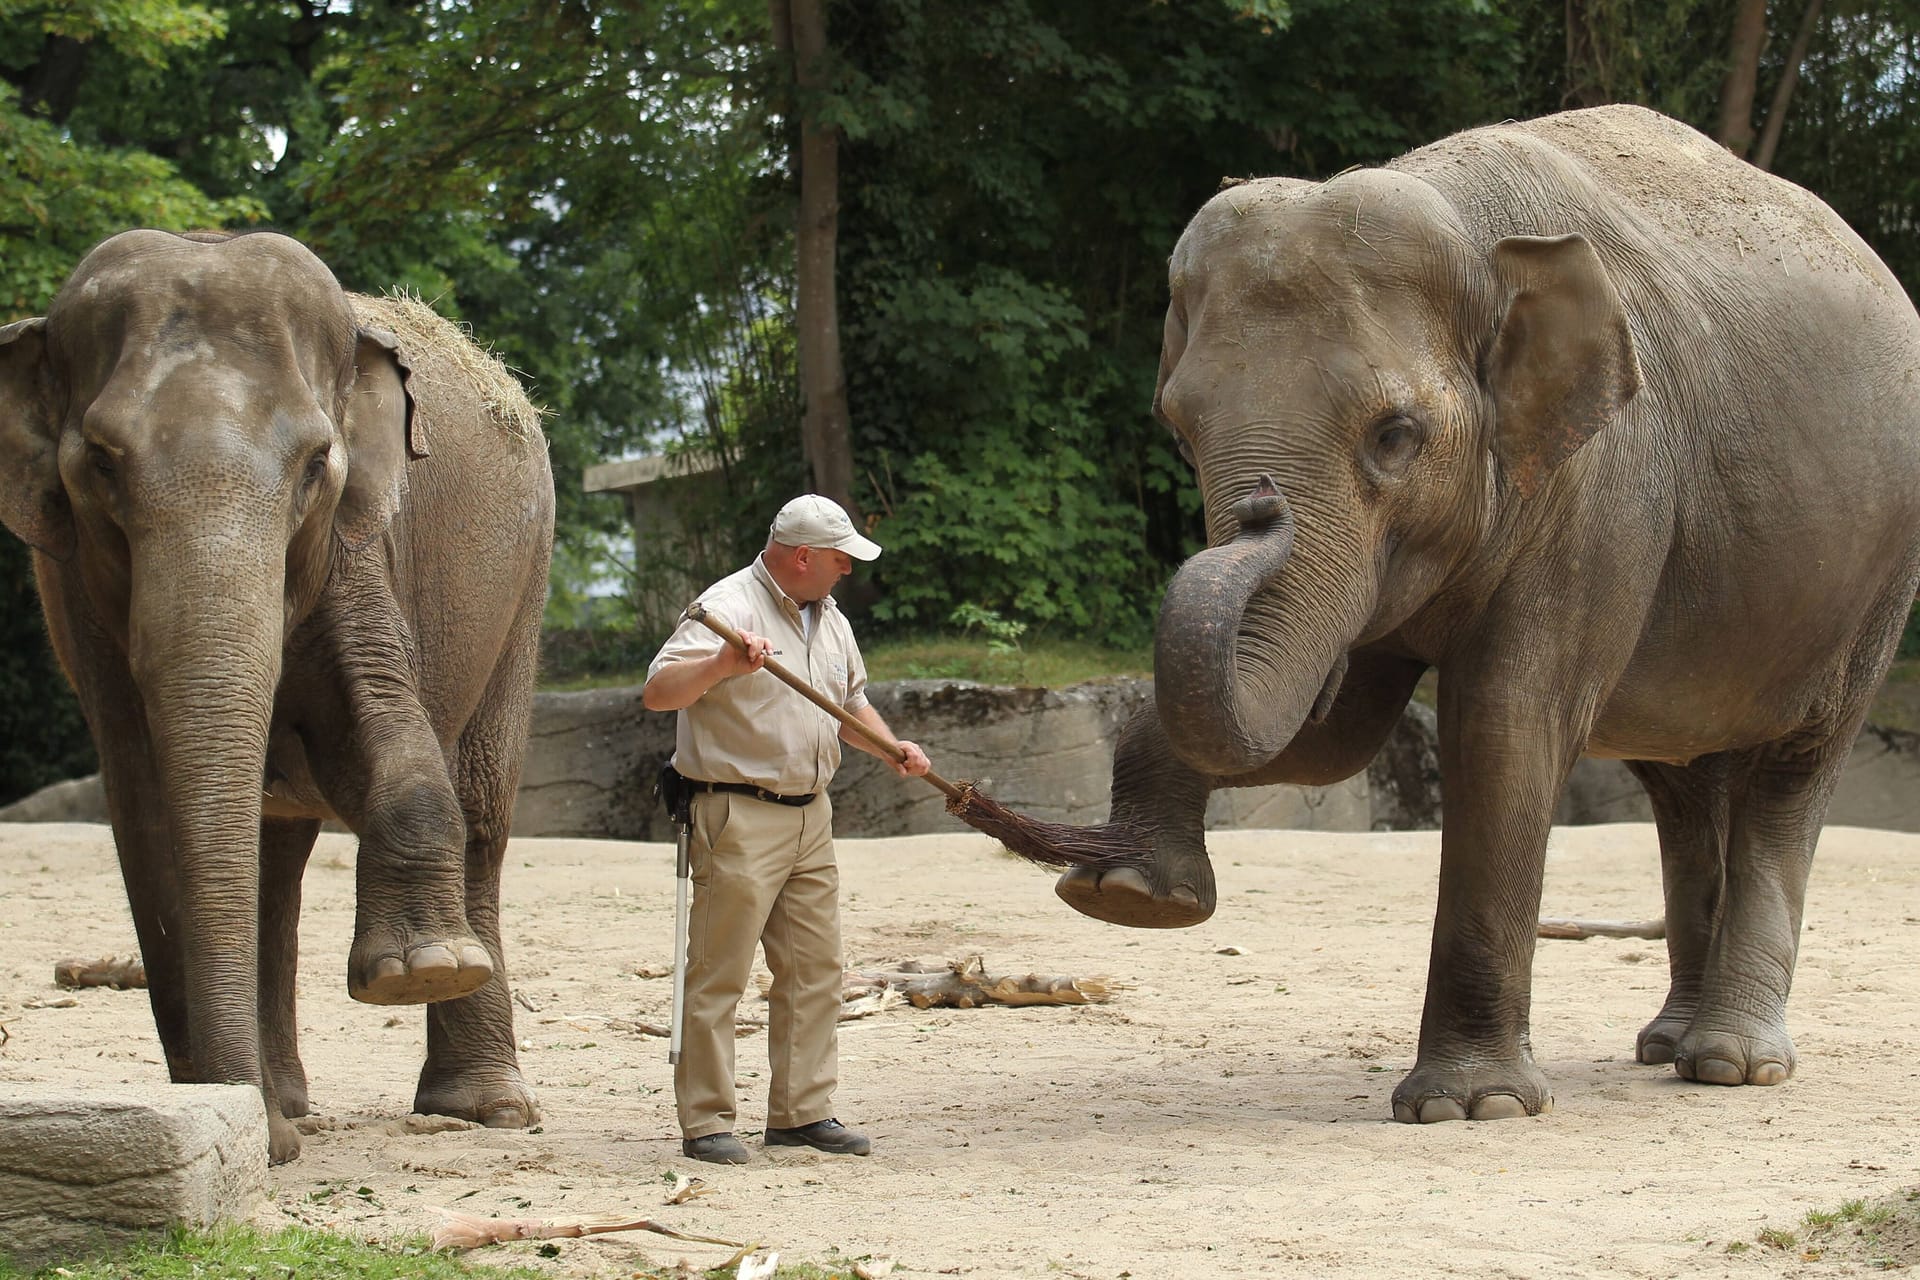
<point x="294" y="567"/>
<point x="1618" y="434"/>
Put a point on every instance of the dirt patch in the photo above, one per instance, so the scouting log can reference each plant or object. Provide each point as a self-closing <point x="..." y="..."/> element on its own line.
<point x="1225" y="1115"/>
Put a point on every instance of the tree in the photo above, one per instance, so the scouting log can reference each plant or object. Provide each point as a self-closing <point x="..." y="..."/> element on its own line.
<point x="800" y="38"/>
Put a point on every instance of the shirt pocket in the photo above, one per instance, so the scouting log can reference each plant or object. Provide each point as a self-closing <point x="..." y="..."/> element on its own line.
<point x="831" y="673"/>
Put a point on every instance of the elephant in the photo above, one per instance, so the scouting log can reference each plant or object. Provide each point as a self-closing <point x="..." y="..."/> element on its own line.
<point x="291" y="545"/>
<point x="1617" y="435"/>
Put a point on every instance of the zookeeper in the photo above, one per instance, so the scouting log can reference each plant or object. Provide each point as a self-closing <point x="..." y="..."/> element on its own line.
<point x="758" y="757"/>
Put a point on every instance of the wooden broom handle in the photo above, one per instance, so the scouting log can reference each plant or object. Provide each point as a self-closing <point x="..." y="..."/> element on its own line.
<point x="891" y="749"/>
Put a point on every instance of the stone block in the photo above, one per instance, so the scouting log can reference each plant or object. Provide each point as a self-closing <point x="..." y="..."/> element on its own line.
<point x="88" y="1168"/>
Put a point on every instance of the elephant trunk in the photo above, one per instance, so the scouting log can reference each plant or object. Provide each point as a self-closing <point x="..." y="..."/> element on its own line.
<point x="204" y="643"/>
<point x="1238" y="669"/>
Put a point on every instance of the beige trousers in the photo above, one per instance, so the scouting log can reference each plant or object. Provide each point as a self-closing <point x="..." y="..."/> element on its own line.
<point x="762" y="873"/>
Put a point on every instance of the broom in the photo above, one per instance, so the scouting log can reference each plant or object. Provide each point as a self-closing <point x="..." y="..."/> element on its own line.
<point x="1051" y="844"/>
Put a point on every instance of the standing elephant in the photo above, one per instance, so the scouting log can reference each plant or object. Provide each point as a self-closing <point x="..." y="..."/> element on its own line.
<point x="294" y="566"/>
<point x="1618" y="434"/>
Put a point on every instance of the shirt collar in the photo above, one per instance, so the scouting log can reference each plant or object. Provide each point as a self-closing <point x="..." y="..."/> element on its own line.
<point x="786" y="602"/>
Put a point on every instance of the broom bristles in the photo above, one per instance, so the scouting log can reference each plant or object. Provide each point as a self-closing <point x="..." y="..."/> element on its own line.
<point x="1051" y="844"/>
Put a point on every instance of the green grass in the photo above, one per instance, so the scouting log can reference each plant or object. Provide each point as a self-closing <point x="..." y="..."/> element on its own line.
<point x="1884" y="1234"/>
<point x="244" y="1253"/>
<point x="1050" y="663"/>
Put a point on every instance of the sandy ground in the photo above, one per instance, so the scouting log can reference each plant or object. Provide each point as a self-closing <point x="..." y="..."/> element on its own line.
<point x="1226" y="1114"/>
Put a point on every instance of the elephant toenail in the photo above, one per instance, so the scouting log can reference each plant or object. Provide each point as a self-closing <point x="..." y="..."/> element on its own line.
<point x="1499" y="1106"/>
<point x="1768" y="1073"/>
<point x="1717" y="1071"/>
<point x="432" y="956"/>
<point x="1440" y="1110"/>
<point x="387" y="968"/>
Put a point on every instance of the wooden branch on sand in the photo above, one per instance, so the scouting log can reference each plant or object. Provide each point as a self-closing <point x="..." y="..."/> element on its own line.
<point x="470" y="1231"/>
<point x="1581" y="930"/>
<point x="108" y="971"/>
<point x="964" y="984"/>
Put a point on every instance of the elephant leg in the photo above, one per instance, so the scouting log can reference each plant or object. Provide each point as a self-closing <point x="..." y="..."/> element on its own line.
<point x="1739" y="1032"/>
<point x="381" y="768"/>
<point x="143" y="840"/>
<point x="142" y="835"/>
<point x="1504" y="757"/>
<point x="1690" y="810"/>
<point x="284" y="848"/>
<point x="1153" y="791"/>
<point x="472" y="1068"/>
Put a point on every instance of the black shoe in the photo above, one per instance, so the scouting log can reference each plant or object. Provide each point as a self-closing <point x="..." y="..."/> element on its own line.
<point x="822" y="1135"/>
<point x="715" y="1148"/>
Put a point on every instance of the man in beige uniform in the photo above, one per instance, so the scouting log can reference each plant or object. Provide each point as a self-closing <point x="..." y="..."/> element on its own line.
<point x="758" y="757"/>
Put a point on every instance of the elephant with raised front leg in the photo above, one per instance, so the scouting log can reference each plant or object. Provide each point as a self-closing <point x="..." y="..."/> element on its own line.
<point x="1619" y="434"/>
<point x="292" y="549"/>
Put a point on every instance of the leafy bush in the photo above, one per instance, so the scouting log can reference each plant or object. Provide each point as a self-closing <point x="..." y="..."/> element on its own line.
<point x="43" y="738"/>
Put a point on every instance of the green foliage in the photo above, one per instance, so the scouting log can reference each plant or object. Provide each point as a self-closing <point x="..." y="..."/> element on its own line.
<point x="43" y="738"/>
<point x="59" y="198"/>
<point x="1003" y="253"/>
<point x="1853" y="135"/>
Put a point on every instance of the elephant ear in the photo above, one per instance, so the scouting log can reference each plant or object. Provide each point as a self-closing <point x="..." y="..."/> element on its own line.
<point x="380" y="434"/>
<point x="33" y="502"/>
<point x="1563" y="362"/>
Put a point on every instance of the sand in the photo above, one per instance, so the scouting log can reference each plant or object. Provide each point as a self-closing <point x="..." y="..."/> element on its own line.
<point x="1225" y="1114"/>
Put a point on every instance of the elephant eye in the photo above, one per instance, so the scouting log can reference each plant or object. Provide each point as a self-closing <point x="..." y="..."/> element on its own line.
<point x="100" y="460"/>
<point x="316" y="467"/>
<point x="1395" y="442"/>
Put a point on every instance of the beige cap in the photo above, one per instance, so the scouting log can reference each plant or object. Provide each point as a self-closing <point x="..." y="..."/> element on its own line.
<point x="813" y="521"/>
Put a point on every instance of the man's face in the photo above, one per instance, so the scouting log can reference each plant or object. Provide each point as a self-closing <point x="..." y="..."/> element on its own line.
<point x="820" y="568"/>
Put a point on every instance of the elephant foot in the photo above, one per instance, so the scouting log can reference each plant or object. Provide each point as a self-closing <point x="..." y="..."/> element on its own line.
<point x="1659" y="1040"/>
<point x="497" y="1098"/>
<point x="386" y="968"/>
<point x="1123" y="895"/>
<point x="283" y="1140"/>
<point x="1758" y="1054"/>
<point x="1488" y="1090"/>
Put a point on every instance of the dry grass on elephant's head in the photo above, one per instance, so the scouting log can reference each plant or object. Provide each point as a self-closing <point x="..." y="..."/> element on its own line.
<point x="424" y="332"/>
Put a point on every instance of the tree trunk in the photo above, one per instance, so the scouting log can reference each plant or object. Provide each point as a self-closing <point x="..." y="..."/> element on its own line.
<point x="1743" y="75"/>
<point x="800" y="32"/>
<point x="1586" y="73"/>
<point x="1783" y="92"/>
<point x="51" y="87"/>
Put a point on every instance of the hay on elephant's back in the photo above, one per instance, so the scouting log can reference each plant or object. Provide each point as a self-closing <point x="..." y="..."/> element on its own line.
<point x="421" y="330"/>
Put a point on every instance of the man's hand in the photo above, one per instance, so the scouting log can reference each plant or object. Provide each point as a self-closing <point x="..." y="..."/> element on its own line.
<point x="681" y="684"/>
<point x="915" y="763"/>
<point x="739" y="662"/>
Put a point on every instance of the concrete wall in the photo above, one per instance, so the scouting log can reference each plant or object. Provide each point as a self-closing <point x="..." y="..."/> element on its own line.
<point x="1047" y="753"/>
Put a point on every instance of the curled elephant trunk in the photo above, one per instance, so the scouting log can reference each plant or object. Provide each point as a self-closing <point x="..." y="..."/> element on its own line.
<point x="1236" y="670"/>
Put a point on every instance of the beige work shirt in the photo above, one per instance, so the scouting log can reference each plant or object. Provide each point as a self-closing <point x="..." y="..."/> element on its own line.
<point x="753" y="728"/>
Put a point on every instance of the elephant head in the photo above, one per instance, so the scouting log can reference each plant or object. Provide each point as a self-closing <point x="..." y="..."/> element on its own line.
<point x="192" y="438"/>
<point x="1362" y="390"/>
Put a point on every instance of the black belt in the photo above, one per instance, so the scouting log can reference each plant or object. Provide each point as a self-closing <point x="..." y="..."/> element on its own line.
<point x="748" y="789"/>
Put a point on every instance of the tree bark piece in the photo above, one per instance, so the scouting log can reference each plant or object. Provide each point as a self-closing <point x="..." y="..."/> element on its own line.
<point x="108" y="971"/>
<point x="1581" y="930"/>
